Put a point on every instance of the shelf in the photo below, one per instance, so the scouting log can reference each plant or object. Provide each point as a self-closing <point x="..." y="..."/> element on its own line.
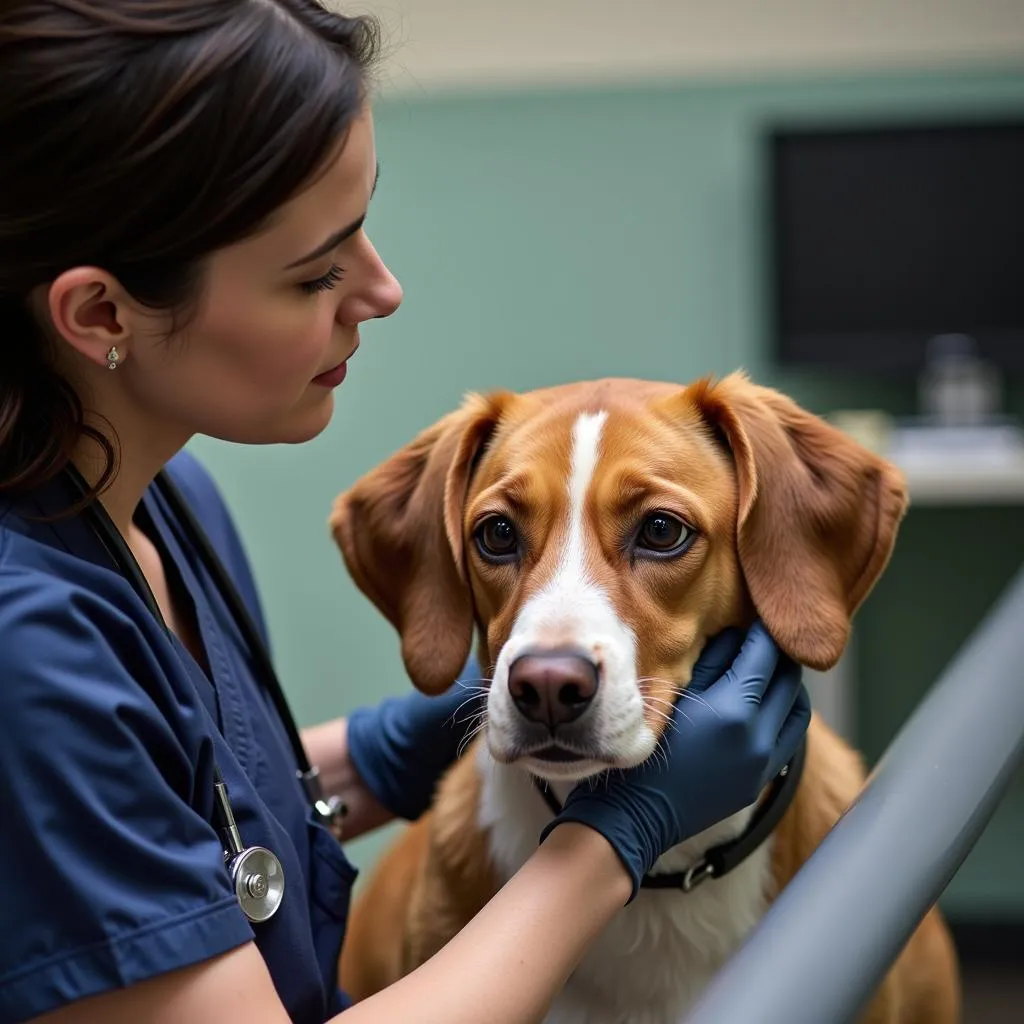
<point x="959" y="482"/>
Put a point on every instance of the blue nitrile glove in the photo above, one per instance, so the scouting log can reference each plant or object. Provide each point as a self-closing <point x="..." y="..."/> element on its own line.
<point x="402" y="746"/>
<point x="722" y="748"/>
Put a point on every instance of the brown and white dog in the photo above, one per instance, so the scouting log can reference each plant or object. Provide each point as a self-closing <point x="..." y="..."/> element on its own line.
<point x="599" y="533"/>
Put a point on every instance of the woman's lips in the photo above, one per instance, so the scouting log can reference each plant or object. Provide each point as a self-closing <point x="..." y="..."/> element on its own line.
<point x="333" y="377"/>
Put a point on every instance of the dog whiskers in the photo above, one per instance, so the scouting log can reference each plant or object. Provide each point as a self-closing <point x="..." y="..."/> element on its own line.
<point x="475" y="722"/>
<point x="660" y="753"/>
<point x="677" y="691"/>
<point x="687" y="695"/>
<point x="668" y="716"/>
<point x="475" y="699"/>
<point x="470" y="736"/>
<point x="476" y="695"/>
<point x="471" y="684"/>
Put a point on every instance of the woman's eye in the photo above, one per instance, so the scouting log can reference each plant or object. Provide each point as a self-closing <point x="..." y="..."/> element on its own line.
<point x="664" y="534"/>
<point x="497" y="539"/>
<point x="324" y="283"/>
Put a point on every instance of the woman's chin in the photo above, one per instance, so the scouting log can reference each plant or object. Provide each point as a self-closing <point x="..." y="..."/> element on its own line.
<point x="296" y="427"/>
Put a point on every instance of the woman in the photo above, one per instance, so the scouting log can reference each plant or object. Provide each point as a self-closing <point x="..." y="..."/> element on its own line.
<point x="183" y="185"/>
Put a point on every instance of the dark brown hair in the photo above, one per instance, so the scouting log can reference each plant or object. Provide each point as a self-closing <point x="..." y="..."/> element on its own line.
<point x="140" y="136"/>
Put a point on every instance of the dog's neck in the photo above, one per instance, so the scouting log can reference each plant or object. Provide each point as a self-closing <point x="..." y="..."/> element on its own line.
<point x="658" y="953"/>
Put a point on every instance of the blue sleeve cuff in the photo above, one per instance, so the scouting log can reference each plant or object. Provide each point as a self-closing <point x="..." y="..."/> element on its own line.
<point x="187" y="939"/>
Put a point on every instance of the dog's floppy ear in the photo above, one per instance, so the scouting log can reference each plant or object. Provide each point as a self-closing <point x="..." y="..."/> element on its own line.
<point x="816" y="519"/>
<point x="399" y="528"/>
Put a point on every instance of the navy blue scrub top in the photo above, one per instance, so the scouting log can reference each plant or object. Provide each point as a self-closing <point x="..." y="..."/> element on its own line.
<point x="112" y="869"/>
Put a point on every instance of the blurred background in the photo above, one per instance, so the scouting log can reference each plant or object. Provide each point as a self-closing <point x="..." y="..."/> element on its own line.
<point x="826" y="194"/>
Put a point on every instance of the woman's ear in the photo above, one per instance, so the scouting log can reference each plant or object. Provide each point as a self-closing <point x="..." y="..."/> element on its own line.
<point x="817" y="514"/>
<point x="87" y="308"/>
<point x="399" y="529"/>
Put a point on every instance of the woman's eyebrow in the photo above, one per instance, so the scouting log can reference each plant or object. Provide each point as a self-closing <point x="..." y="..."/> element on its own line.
<point x="332" y="243"/>
<point x="329" y="244"/>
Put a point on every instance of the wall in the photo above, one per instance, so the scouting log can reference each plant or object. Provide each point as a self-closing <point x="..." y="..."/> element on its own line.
<point x="448" y="46"/>
<point x="563" y="234"/>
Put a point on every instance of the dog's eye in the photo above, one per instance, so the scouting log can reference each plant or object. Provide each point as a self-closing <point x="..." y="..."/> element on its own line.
<point x="663" y="534"/>
<point x="497" y="540"/>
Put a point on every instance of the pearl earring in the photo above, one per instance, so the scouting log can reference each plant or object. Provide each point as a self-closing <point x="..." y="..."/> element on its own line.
<point x="113" y="358"/>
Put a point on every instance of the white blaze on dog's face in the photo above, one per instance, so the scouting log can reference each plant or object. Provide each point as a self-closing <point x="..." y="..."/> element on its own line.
<point x="594" y="536"/>
<point x="565" y="690"/>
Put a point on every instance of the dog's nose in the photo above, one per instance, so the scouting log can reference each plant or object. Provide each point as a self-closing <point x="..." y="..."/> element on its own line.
<point x="552" y="688"/>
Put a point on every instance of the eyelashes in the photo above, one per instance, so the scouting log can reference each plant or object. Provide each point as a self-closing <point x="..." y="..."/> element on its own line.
<point x="324" y="283"/>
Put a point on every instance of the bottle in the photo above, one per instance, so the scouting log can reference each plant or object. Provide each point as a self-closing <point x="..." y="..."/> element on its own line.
<point x="957" y="388"/>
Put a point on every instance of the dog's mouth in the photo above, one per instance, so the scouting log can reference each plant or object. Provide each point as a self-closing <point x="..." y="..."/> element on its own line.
<point x="556" y="762"/>
<point x="572" y="753"/>
<point x="549" y="753"/>
<point x="572" y="771"/>
<point x="558" y="754"/>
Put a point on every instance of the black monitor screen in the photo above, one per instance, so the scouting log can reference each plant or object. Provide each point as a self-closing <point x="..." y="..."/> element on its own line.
<point x="883" y="238"/>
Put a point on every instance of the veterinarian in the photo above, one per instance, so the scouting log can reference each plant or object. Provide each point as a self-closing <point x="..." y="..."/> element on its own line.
<point x="182" y="191"/>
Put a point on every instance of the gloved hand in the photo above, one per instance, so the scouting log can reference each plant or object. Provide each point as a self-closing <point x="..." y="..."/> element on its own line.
<point x="402" y="746"/>
<point x="722" y="749"/>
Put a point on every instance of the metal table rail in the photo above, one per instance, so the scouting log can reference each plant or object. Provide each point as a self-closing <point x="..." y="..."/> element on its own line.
<point x="826" y="943"/>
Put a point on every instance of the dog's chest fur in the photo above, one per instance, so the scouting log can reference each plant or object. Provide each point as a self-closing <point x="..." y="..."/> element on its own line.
<point x="657" y="955"/>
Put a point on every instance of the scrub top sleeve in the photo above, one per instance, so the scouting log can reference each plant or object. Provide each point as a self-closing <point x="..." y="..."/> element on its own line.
<point x="111" y="872"/>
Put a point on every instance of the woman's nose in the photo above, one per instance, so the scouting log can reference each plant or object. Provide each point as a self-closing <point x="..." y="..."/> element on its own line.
<point x="388" y="293"/>
<point x="378" y="295"/>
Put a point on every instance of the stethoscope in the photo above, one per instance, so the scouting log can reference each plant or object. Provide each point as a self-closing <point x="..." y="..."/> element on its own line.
<point x="256" y="872"/>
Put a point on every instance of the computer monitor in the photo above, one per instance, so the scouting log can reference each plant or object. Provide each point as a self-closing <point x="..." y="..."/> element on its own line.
<point x="883" y="238"/>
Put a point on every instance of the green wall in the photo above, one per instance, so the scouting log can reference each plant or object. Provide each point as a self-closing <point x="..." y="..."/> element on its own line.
<point x="548" y="237"/>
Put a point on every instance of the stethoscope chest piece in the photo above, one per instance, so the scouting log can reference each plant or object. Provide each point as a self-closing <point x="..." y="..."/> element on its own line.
<point x="256" y="873"/>
<point x="259" y="882"/>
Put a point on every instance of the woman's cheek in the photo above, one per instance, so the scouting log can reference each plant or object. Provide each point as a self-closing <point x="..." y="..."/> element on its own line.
<point x="294" y="348"/>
